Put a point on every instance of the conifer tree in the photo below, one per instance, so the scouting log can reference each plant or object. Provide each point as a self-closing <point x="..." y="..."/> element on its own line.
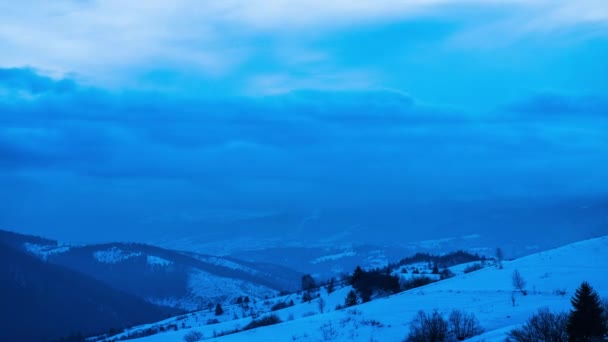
<point x="357" y="274"/>
<point x="351" y="299"/>
<point x="586" y="322"/>
<point x="218" y="310"/>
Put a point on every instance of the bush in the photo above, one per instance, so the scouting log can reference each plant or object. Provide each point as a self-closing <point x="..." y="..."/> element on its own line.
<point x="463" y="325"/>
<point x="446" y="274"/>
<point x="376" y="281"/>
<point x="415" y="282"/>
<point x="434" y="328"/>
<point x="212" y="321"/>
<point x="428" y="328"/>
<point x="543" y="326"/>
<point x="193" y="336"/>
<point x="279" y="306"/>
<point x="473" y="268"/>
<point x="262" y="322"/>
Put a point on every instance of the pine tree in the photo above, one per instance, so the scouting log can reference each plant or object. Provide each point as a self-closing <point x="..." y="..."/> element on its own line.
<point x="218" y="310"/>
<point x="351" y="299"/>
<point x="357" y="274"/>
<point x="585" y="322"/>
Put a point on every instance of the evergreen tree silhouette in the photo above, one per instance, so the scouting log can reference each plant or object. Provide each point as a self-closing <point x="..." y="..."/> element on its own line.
<point x="357" y="274"/>
<point x="586" y="322"/>
<point x="351" y="299"/>
<point x="219" y="310"/>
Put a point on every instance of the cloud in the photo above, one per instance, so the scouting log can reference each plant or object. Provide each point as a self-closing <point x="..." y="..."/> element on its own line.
<point x="556" y="105"/>
<point x="99" y="159"/>
<point x="118" y="43"/>
<point x="29" y="81"/>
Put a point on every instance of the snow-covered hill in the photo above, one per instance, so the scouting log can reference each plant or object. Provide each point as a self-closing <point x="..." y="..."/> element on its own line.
<point x="184" y="280"/>
<point x="551" y="277"/>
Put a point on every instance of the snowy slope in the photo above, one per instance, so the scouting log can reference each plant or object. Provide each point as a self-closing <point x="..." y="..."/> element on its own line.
<point x="486" y="293"/>
<point x="183" y="280"/>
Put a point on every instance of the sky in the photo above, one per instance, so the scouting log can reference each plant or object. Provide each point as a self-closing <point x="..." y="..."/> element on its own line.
<point x="125" y="118"/>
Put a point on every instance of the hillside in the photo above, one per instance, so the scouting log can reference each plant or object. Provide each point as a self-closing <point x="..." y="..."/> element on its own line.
<point x="551" y="276"/>
<point x="182" y="280"/>
<point x="42" y="301"/>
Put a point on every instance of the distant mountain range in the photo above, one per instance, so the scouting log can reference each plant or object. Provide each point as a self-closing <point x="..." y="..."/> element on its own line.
<point x="42" y="301"/>
<point x="182" y="280"/>
<point x="93" y="288"/>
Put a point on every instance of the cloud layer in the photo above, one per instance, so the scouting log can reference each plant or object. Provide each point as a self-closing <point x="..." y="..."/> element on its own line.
<point x="96" y="156"/>
<point x="144" y="114"/>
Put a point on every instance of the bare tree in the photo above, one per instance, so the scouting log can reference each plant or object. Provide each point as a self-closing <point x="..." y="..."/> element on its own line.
<point x="464" y="325"/>
<point x="499" y="257"/>
<point x="543" y="326"/>
<point x="518" y="282"/>
<point x="428" y="328"/>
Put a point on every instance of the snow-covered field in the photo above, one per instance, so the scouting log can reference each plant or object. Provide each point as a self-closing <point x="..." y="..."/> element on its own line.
<point x="487" y="293"/>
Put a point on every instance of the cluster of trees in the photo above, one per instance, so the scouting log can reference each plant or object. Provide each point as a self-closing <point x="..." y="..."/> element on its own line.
<point x="282" y="305"/>
<point x="368" y="283"/>
<point x="435" y="327"/>
<point x="442" y="261"/>
<point x="587" y="321"/>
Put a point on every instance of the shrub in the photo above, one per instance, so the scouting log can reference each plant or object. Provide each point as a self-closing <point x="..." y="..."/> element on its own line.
<point x="434" y="328"/>
<point x="446" y="274"/>
<point x="306" y="297"/>
<point x="463" y="325"/>
<point x="415" y="282"/>
<point x="376" y="281"/>
<point x="473" y="268"/>
<point x="428" y="328"/>
<point x="279" y="306"/>
<point x="193" y="336"/>
<point x="262" y="322"/>
<point x="543" y="326"/>
<point x="212" y="321"/>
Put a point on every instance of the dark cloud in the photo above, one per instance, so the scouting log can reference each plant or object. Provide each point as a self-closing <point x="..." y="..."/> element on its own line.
<point x="131" y="157"/>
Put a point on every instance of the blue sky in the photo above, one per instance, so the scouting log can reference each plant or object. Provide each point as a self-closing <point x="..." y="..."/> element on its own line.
<point x="145" y="115"/>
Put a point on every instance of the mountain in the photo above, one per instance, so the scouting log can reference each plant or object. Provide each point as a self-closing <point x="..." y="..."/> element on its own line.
<point x="552" y="277"/>
<point x="333" y="261"/>
<point x="518" y="226"/>
<point x="183" y="280"/>
<point x="42" y="301"/>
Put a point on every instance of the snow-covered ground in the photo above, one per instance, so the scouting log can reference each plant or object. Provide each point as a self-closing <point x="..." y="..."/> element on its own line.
<point x="43" y="251"/>
<point x="487" y="293"/>
<point x="114" y="255"/>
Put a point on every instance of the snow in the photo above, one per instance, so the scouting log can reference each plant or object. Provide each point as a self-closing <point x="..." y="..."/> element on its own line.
<point x="486" y="293"/>
<point x="220" y="289"/>
<point x="157" y="261"/>
<point x="43" y="251"/>
<point x="114" y="255"/>
<point x="437" y="243"/>
<point x="334" y="257"/>
<point x="224" y="263"/>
